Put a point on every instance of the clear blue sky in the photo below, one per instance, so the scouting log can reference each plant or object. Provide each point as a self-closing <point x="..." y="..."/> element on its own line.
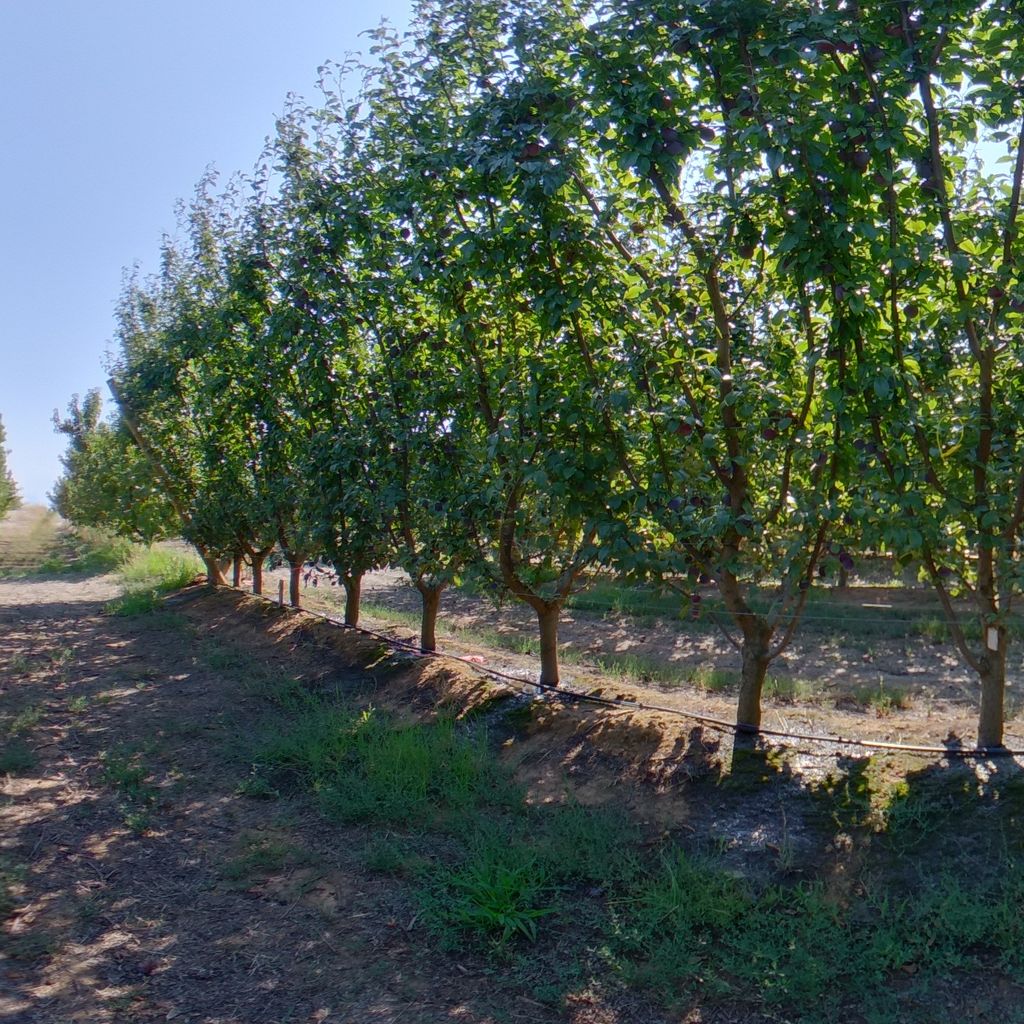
<point x="109" y="112"/>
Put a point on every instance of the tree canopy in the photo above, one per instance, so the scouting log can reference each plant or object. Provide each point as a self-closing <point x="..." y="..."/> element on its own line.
<point x="721" y="292"/>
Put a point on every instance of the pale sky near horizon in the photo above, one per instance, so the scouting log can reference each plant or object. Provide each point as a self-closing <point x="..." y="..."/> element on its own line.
<point x="110" y="112"/>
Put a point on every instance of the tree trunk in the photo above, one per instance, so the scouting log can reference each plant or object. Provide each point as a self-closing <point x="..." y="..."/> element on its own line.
<point x="547" y="620"/>
<point x="756" y="637"/>
<point x="353" y="585"/>
<point x="431" y="597"/>
<point x="236" y="569"/>
<point x="257" y="573"/>
<point x="993" y="689"/>
<point x="294" y="582"/>
<point x="257" y="558"/>
<point x="214" y="573"/>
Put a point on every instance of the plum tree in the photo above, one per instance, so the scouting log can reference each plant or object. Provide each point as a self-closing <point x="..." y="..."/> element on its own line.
<point x="106" y="481"/>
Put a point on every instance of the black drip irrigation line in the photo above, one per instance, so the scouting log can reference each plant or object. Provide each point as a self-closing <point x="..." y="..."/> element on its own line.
<point x="572" y="696"/>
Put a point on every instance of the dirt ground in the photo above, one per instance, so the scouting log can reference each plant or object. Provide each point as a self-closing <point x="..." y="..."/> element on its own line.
<point x="934" y="695"/>
<point x="171" y="918"/>
<point x="143" y="885"/>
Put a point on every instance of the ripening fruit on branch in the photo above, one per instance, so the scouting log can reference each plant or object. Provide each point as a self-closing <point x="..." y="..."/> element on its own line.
<point x="873" y="56"/>
<point x="860" y="159"/>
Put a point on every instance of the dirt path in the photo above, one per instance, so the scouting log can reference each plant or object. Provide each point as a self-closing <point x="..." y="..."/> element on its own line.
<point x="139" y="885"/>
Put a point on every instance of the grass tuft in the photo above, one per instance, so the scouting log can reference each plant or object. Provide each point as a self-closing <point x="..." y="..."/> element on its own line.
<point x="364" y="767"/>
<point x="160" y="567"/>
<point x="148" y="574"/>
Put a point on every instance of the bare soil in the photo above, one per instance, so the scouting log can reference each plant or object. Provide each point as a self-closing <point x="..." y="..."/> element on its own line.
<point x="114" y="920"/>
<point x="195" y="903"/>
<point x="933" y="697"/>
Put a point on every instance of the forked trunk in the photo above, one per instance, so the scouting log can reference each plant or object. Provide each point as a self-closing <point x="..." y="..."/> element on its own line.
<point x="547" y="621"/>
<point x="353" y="586"/>
<point x="431" y="598"/>
<point x="236" y="569"/>
<point x="294" y="584"/>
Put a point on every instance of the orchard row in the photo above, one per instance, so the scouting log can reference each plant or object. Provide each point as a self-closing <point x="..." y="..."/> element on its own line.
<point x="680" y="290"/>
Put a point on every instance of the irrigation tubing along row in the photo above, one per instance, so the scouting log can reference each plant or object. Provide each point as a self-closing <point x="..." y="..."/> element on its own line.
<point x="572" y="696"/>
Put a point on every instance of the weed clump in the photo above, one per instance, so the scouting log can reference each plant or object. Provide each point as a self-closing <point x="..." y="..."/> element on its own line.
<point x="148" y="574"/>
<point x="364" y="767"/>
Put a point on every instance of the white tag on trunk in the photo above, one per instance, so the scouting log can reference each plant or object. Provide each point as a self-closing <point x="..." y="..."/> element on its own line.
<point x="992" y="638"/>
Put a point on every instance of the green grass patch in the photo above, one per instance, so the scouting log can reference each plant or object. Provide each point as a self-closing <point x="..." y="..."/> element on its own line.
<point x="89" y="551"/>
<point x="365" y="767"/>
<point x="30" y="946"/>
<point x="150" y="573"/>
<point x="387" y="854"/>
<point x="786" y="688"/>
<point x="135" y="602"/>
<point x="498" y="895"/>
<point x="398" y="616"/>
<point x="688" y="926"/>
<point x="16" y="756"/>
<point x="12" y="876"/>
<point x="713" y="680"/>
<point x="162" y="568"/>
<point x="124" y="770"/>
<point x="22" y="721"/>
<point x="883" y="700"/>
<point x="610" y="597"/>
<point x="638" y="668"/>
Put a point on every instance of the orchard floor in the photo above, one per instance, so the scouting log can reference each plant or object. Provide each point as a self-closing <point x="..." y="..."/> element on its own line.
<point x="125" y="907"/>
<point x="837" y="681"/>
<point x="139" y="882"/>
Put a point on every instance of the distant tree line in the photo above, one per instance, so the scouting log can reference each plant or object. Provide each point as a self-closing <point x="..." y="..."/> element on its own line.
<point x="9" y="497"/>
